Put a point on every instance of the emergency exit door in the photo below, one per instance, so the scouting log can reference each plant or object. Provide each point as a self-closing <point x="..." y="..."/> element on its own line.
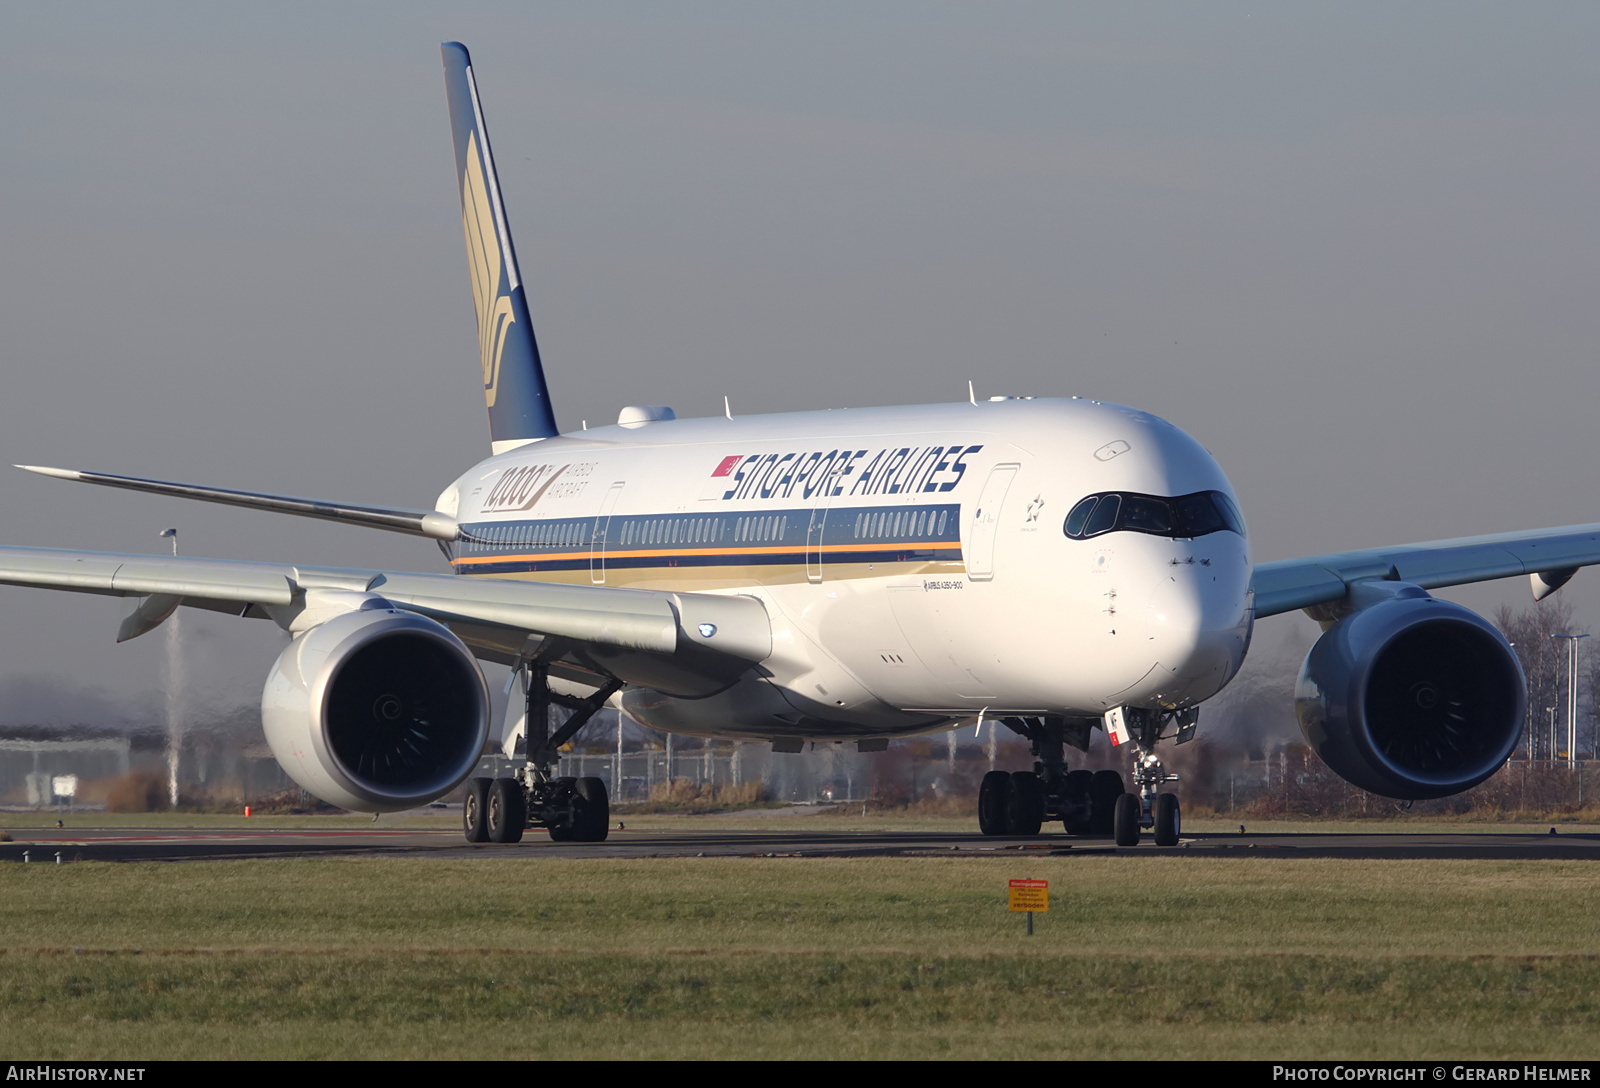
<point x="984" y="524"/>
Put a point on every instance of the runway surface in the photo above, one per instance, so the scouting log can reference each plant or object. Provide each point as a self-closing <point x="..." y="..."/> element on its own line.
<point x="176" y="844"/>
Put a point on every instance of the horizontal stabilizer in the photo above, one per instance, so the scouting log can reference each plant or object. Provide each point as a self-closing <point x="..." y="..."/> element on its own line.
<point x="429" y="523"/>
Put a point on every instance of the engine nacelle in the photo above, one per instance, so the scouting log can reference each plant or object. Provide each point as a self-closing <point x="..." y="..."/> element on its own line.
<point x="1412" y="697"/>
<point x="376" y="710"/>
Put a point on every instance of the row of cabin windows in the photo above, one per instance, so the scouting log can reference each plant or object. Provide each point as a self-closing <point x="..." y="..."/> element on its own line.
<point x="900" y="523"/>
<point x="876" y="525"/>
<point x="714" y="530"/>
<point x="704" y="530"/>
<point x="539" y="535"/>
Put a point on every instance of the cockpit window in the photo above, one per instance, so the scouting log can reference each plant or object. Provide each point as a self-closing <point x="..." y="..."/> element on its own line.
<point x="1186" y="516"/>
<point x="1201" y="514"/>
<point x="1230" y="512"/>
<point x="1143" y="514"/>
<point x="1080" y="514"/>
<point x="1104" y="518"/>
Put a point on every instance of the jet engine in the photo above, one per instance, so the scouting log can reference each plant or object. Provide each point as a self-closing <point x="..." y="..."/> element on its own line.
<point x="1411" y="697"/>
<point x="376" y="709"/>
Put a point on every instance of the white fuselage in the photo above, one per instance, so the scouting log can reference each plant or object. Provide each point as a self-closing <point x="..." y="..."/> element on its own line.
<point x="912" y="560"/>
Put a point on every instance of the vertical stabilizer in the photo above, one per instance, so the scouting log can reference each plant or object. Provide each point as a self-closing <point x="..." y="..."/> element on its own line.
<point x="513" y="378"/>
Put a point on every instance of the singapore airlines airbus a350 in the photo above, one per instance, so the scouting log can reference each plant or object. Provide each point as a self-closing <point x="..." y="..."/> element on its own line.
<point x="841" y="576"/>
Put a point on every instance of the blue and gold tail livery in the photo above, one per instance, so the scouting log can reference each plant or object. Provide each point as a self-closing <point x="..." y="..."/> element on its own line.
<point x="513" y="379"/>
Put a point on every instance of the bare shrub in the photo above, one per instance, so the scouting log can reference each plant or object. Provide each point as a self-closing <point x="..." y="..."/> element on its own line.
<point x="684" y="796"/>
<point x="138" y="791"/>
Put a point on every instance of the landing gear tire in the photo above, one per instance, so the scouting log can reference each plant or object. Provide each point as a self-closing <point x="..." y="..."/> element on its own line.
<point x="591" y="811"/>
<point x="564" y="829"/>
<point x="1103" y="793"/>
<point x="473" y="807"/>
<point x="1078" y="790"/>
<point x="1025" y="803"/>
<point x="993" y="792"/>
<point x="1167" y="819"/>
<point x="506" y="813"/>
<point x="1125" y="820"/>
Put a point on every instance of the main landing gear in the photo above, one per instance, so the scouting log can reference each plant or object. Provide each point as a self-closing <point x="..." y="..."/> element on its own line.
<point x="1086" y="802"/>
<point x="571" y="809"/>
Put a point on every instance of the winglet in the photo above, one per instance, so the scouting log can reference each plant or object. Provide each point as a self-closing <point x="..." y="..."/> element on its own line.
<point x="58" y="473"/>
<point x="513" y="376"/>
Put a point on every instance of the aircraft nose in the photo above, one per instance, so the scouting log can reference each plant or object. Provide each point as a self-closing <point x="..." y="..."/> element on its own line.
<point x="1198" y="627"/>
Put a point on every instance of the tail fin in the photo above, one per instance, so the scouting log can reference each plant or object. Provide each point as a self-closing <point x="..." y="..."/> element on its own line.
<point x="513" y="377"/>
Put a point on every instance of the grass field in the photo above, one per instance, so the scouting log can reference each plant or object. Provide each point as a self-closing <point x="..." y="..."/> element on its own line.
<point x="719" y="957"/>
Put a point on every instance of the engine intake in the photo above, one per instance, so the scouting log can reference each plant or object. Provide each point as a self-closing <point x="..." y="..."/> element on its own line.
<point x="1412" y="698"/>
<point x="376" y="710"/>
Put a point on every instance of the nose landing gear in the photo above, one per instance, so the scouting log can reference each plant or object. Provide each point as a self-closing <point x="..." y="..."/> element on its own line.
<point x="1152" y="809"/>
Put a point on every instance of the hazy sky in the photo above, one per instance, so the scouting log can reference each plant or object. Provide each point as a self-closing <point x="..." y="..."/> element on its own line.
<point x="1351" y="248"/>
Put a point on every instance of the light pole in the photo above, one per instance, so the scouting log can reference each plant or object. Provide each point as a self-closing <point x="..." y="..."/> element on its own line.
<point x="1572" y="697"/>
<point x="174" y="682"/>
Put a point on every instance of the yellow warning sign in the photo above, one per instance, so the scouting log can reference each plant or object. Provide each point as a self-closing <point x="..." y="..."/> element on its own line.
<point x="1030" y="895"/>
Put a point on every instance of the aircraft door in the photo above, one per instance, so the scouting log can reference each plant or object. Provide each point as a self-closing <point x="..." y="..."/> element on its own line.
<point x="817" y="528"/>
<point x="979" y="548"/>
<point x="814" y="531"/>
<point x="602" y="528"/>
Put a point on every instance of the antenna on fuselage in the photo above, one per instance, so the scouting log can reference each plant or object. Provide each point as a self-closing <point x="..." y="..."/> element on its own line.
<point x="972" y="398"/>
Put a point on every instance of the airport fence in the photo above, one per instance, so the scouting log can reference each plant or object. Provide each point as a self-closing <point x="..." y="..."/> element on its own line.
<point x="1293" y="781"/>
<point x="823" y="774"/>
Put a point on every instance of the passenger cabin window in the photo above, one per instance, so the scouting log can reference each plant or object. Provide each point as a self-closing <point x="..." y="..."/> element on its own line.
<point x="1183" y="517"/>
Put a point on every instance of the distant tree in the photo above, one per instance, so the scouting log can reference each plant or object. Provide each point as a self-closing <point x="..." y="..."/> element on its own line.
<point x="1532" y="634"/>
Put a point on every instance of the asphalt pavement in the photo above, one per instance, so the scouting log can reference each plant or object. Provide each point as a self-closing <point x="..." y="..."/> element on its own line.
<point x="190" y="844"/>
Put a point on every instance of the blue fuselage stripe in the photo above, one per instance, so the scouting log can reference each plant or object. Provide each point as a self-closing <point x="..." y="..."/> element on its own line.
<point x="879" y="534"/>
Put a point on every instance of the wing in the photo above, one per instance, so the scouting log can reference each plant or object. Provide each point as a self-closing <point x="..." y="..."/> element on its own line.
<point x="679" y="643"/>
<point x="1287" y="584"/>
<point x="430" y="523"/>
